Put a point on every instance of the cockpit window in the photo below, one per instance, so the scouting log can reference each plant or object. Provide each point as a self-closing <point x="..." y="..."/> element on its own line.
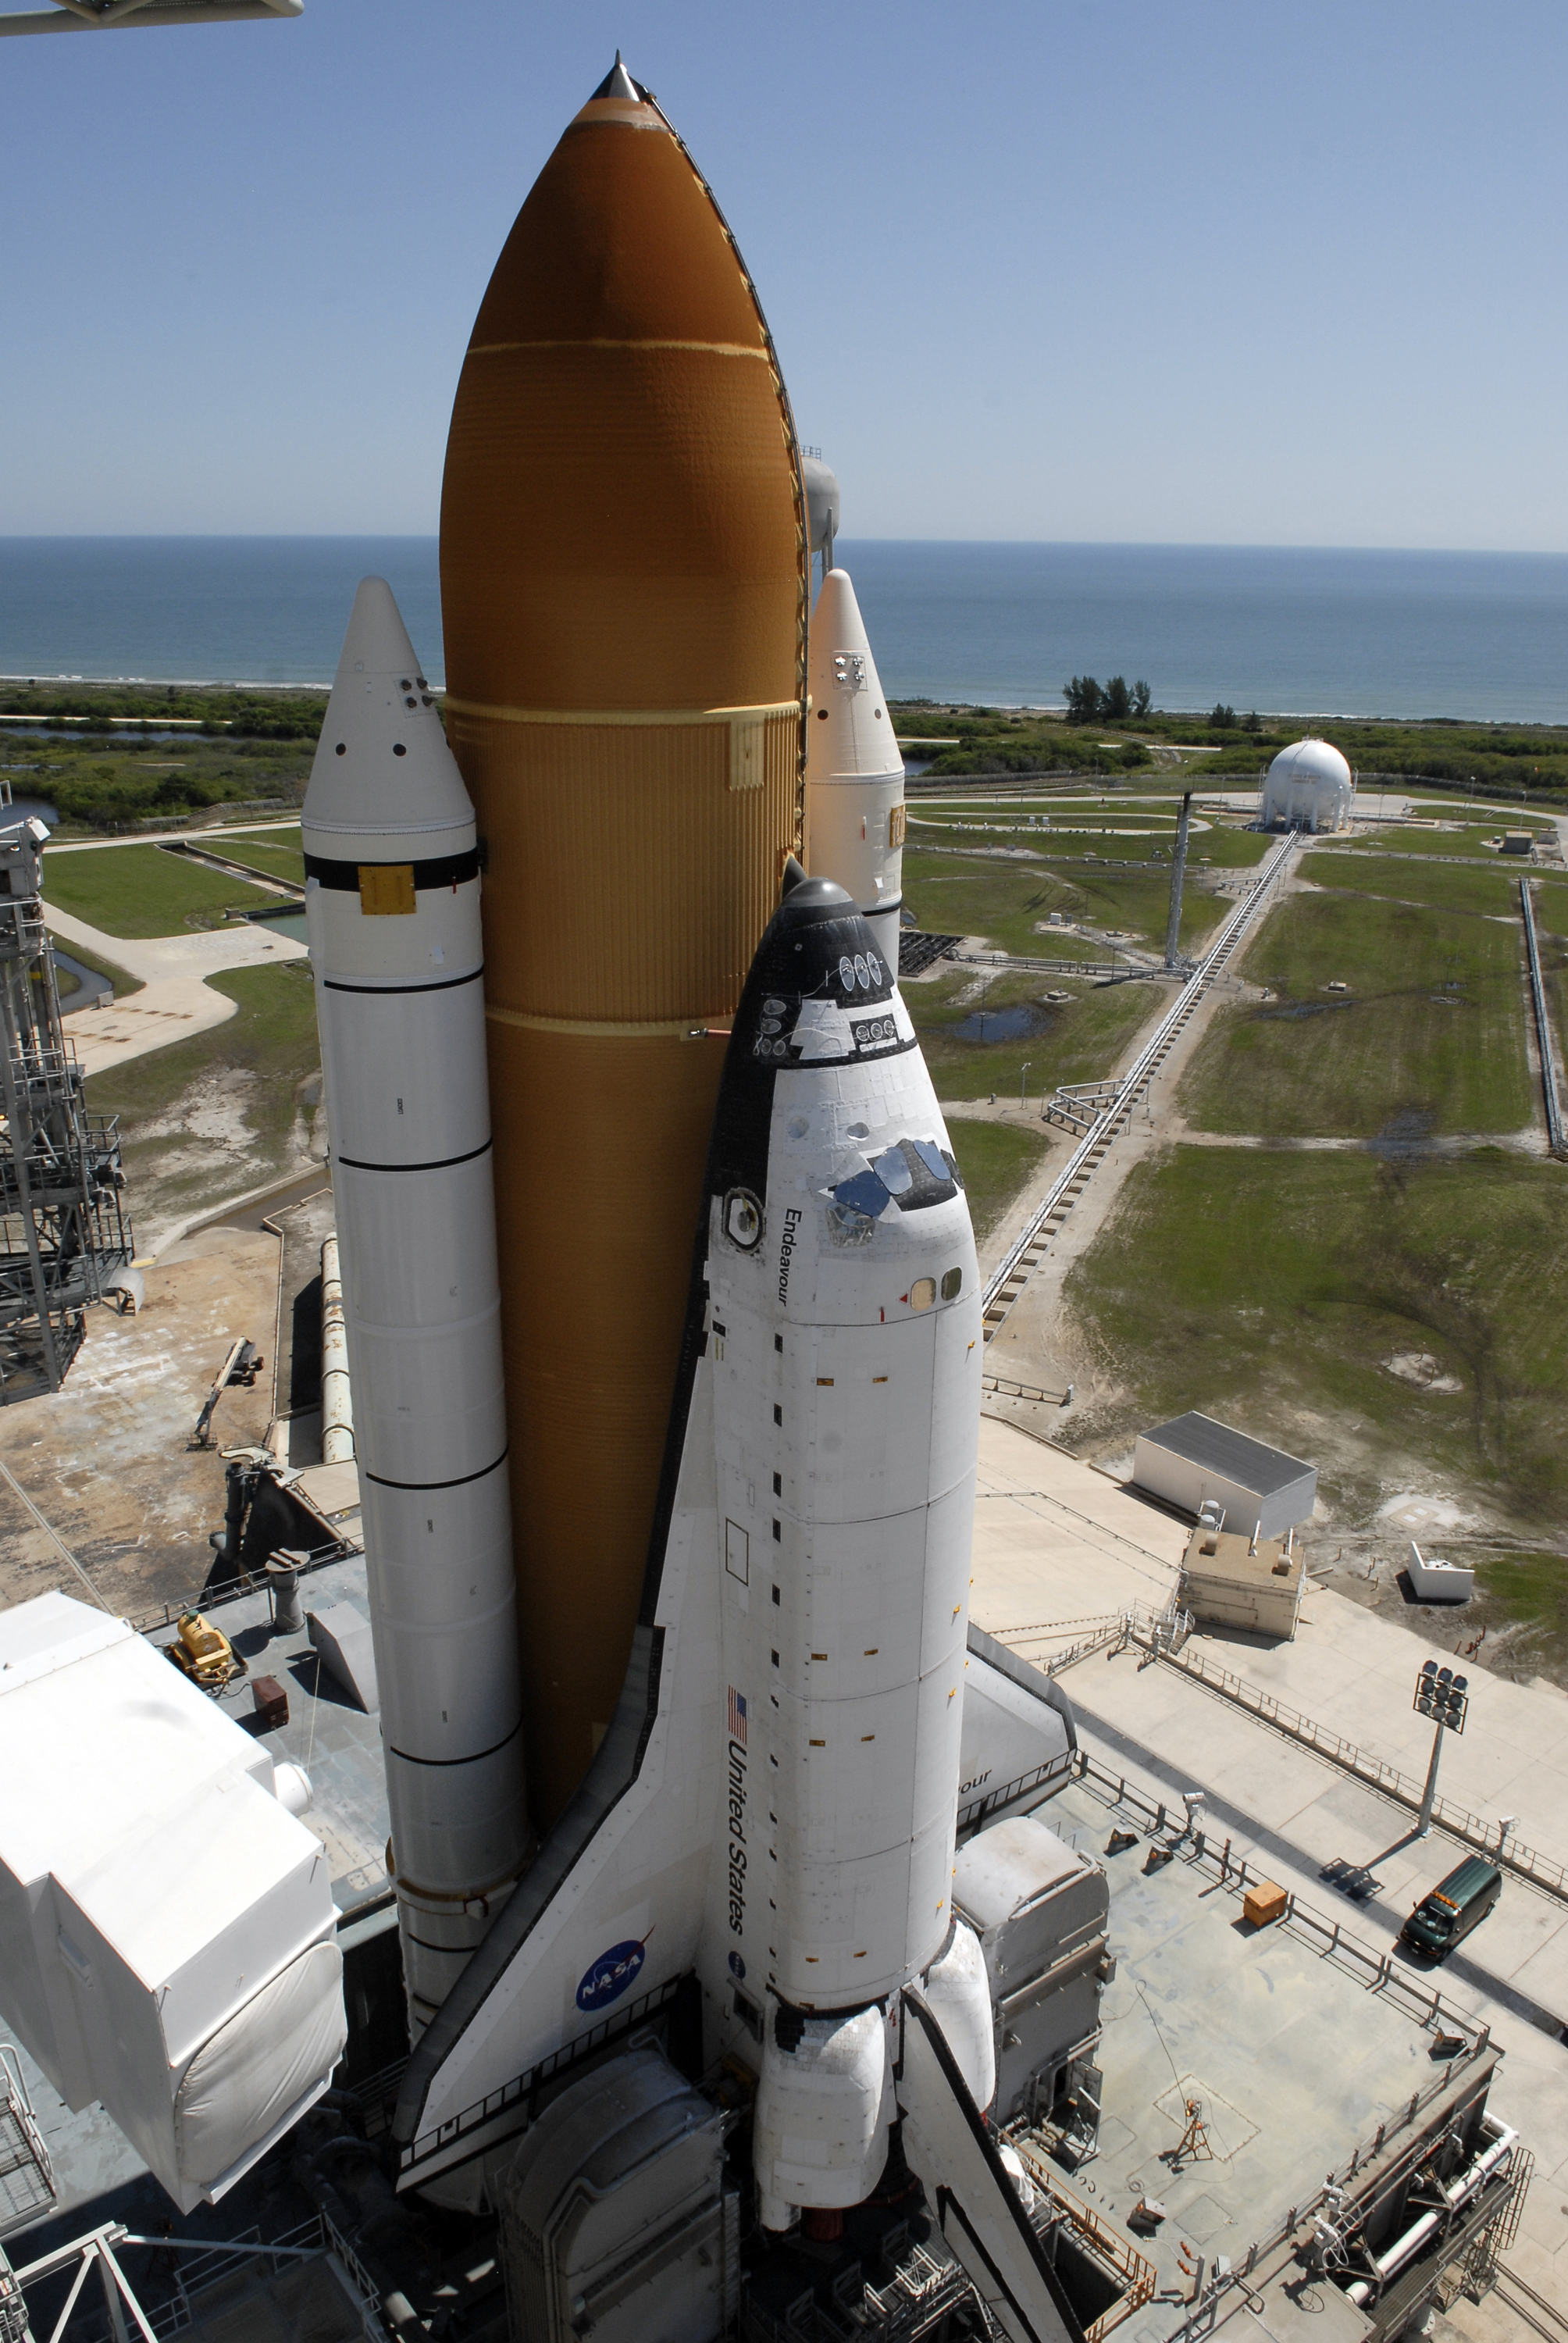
<point x="865" y="1193"/>
<point x="914" y="1172"/>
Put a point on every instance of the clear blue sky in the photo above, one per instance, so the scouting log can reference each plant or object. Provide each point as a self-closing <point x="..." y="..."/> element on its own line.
<point x="1120" y="269"/>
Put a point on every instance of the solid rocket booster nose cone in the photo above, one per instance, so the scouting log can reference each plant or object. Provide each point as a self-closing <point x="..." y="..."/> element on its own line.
<point x="855" y="814"/>
<point x="794" y="876"/>
<point x="851" y="732"/>
<point x="377" y="642"/>
<point x="382" y="765"/>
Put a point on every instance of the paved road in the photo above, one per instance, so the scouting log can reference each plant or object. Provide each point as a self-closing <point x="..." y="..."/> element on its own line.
<point x="176" y="1001"/>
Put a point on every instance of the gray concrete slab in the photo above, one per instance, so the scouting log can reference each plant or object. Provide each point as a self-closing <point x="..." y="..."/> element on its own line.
<point x="1294" y="2061"/>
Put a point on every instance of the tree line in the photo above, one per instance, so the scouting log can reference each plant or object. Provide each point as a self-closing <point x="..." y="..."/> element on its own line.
<point x="1089" y="702"/>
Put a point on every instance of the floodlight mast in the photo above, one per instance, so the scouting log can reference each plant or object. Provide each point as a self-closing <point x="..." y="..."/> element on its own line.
<point x="115" y="16"/>
<point x="1445" y="1698"/>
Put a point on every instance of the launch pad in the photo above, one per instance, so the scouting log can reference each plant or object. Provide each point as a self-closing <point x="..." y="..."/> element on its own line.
<point x="1315" y="2065"/>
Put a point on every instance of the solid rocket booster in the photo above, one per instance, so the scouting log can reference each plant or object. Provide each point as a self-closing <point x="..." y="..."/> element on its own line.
<point x="623" y="575"/>
<point x="855" y="817"/>
<point x="392" y="890"/>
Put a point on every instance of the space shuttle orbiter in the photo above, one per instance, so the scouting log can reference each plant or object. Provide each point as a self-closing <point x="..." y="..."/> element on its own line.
<point x="772" y="1810"/>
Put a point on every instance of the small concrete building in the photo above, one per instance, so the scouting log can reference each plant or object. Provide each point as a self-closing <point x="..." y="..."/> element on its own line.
<point x="1309" y="786"/>
<point x="1230" y="1579"/>
<point x="1256" y="1487"/>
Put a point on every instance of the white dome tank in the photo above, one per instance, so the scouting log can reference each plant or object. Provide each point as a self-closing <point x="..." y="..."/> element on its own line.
<point x="1309" y="786"/>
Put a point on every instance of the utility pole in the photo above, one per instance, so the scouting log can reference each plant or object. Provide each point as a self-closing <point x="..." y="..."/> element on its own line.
<point x="1023" y="1080"/>
<point x="1445" y="1698"/>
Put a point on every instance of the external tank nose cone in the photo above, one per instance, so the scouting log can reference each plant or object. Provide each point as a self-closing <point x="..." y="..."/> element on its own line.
<point x="618" y="83"/>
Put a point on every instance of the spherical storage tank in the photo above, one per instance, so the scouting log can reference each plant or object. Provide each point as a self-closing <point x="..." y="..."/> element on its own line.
<point x="1309" y="786"/>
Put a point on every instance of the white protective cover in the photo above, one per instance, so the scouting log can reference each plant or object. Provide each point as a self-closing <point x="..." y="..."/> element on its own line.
<point x="151" y="1885"/>
<point x="957" y="1992"/>
<point x="260" y="2071"/>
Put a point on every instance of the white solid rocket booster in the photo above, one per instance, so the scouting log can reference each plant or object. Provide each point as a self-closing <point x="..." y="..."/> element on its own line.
<point x="855" y="816"/>
<point x="392" y="890"/>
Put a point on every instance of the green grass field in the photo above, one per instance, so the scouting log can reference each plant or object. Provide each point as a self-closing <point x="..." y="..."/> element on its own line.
<point x="1269" y="1290"/>
<point x="140" y="890"/>
<point x="1446" y="886"/>
<point x="1527" y="1593"/>
<point x="996" y="1160"/>
<point x="1429" y="1038"/>
<point x="277" y="853"/>
<point x="1430" y="845"/>
<point x="956" y="894"/>
<point x="1072" y="1041"/>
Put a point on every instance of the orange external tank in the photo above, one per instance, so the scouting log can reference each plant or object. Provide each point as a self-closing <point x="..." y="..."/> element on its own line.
<point x="624" y="574"/>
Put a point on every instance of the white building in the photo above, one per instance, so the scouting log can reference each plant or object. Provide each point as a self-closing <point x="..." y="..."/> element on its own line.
<point x="1309" y="786"/>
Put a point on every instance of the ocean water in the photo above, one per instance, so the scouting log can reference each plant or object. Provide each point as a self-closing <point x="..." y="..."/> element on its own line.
<point x="1294" y="631"/>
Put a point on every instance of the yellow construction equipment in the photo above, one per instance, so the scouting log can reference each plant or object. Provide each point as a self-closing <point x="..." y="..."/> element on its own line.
<point x="204" y="1652"/>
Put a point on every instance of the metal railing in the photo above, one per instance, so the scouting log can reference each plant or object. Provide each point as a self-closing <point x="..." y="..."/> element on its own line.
<point x="208" y="2266"/>
<point x="26" y="2172"/>
<point x="1491" y="1839"/>
<point x="1331" y="1937"/>
<point x="512" y="2098"/>
<point x="1544" y="1032"/>
<point x="1136" y="2277"/>
<point x="1007" y="1282"/>
<point x="314" y="1558"/>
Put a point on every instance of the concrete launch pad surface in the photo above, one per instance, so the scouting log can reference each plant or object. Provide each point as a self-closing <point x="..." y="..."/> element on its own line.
<point x="1059" y="1545"/>
<point x="1294" y="2061"/>
<point x="108" y="1460"/>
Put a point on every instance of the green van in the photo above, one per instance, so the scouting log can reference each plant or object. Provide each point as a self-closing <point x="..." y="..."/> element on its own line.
<point x="1455" y="1906"/>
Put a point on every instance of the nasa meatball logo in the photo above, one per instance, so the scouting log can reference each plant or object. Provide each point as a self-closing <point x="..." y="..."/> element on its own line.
<point x="610" y="1975"/>
<point x="736" y="1966"/>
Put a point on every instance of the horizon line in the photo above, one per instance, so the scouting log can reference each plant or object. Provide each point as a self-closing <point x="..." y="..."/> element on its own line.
<point x="1073" y="544"/>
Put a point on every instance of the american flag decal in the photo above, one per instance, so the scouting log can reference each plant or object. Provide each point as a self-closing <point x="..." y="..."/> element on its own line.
<point x="738" y="1717"/>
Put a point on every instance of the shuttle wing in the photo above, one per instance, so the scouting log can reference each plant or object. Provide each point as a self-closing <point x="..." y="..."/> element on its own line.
<point x="975" y="2203"/>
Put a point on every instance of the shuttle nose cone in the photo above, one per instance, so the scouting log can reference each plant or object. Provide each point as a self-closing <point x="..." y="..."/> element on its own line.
<point x="382" y="764"/>
<point x="811" y="900"/>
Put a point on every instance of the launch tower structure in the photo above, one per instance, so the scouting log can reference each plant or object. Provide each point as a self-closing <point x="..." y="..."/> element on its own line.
<point x="63" y="1232"/>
